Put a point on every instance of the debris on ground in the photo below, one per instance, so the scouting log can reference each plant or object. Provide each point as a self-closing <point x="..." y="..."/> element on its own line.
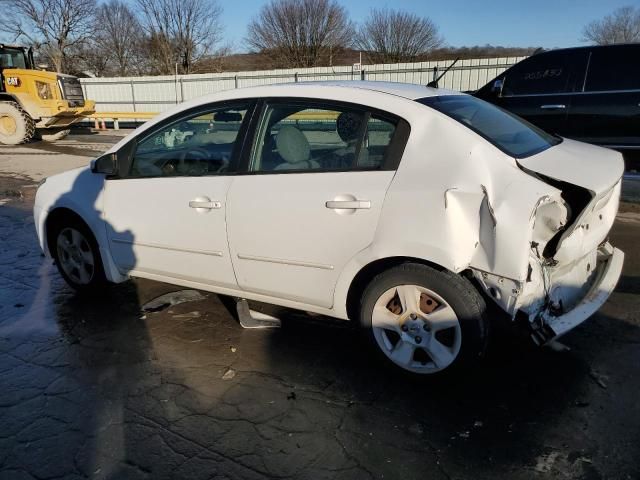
<point x="194" y="314"/>
<point x="173" y="298"/>
<point x="556" y="346"/>
<point x="229" y="374"/>
<point x="599" y="378"/>
<point x="233" y="349"/>
<point x="291" y="396"/>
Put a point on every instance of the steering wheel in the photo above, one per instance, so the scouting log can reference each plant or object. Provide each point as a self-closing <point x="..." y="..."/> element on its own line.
<point x="191" y="161"/>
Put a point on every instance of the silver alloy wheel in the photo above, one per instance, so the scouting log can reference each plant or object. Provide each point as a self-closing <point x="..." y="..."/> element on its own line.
<point x="75" y="255"/>
<point x="416" y="329"/>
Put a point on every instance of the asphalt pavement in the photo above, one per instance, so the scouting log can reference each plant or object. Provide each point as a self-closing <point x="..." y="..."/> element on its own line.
<point x="101" y="389"/>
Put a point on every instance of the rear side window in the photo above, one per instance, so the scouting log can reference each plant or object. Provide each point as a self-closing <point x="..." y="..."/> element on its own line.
<point x="296" y="137"/>
<point x="513" y="135"/>
<point x="547" y="73"/>
<point x="615" y="68"/>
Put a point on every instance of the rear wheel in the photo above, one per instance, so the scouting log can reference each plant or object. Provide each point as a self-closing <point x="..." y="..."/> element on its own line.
<point x="16" y="126"/>
<point x="423" y="320"/>
<point x="77" y="256"/>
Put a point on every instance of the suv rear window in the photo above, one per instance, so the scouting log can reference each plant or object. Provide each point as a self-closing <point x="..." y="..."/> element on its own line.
<point x="613" y="68"/>
<point x="513" y="135"/>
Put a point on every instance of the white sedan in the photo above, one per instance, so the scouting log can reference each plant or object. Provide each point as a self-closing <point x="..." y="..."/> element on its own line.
<point x="405" y="209"/>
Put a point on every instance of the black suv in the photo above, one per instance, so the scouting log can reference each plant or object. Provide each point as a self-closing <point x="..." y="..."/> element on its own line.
<point x="590" y="94"/>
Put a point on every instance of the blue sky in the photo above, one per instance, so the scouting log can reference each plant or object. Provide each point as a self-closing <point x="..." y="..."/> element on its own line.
<point x="544" y="23"/>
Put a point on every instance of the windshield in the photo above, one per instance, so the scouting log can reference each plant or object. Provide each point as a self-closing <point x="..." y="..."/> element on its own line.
<point x="12" y="58"/>
<point x="511" y="134"/>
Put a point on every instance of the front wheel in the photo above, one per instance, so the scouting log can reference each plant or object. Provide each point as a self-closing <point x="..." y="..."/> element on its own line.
<point x="77" y="256"/>
<point x="16" y="126"/>
<point x="423" y="320"/>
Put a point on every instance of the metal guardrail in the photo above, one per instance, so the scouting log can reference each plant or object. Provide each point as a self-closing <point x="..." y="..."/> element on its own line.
<point x="100" y="117"/>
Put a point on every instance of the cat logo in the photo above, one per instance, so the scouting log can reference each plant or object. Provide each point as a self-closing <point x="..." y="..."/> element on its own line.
<point x="13" y="81"/>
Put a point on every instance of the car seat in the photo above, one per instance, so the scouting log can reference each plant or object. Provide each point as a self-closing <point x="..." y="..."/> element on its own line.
<point x="348" y="126"/>
<point x="294" y="149"/>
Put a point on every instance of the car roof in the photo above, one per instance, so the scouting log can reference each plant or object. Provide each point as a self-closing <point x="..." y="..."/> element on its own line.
<point x="589" y="47"/>
<point x="405" y="90"/>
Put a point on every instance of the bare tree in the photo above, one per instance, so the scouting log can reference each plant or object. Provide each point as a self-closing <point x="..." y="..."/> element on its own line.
<point x="391" y="36"/>
<point x="119" y="36"/>
<point x="58" y="26"/>
<point x="622" y="26"/>
<point x="298" y="33"/>
<point x="180" y="31"/>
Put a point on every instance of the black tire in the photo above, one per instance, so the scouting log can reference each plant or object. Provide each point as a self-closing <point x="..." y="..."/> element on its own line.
<point x="16" y="126"/>
<point x="52" y="134"/>
<point x="98" y="280"/>
<point x="456" y="291"/>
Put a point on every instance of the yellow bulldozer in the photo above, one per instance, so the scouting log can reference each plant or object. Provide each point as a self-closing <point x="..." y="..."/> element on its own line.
<point x="36" y="103"/>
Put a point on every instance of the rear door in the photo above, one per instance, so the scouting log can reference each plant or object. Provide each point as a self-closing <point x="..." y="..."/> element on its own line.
<point x="539" y="88"/>
<point x="607" y="112"/>
<point x="317" y="177"/>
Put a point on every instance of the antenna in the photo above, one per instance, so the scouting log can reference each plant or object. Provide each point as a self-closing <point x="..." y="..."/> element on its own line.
<point x="434" y="83"/>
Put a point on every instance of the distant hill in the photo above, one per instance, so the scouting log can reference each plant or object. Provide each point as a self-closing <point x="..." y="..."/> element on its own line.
<point x="242" y="62"/>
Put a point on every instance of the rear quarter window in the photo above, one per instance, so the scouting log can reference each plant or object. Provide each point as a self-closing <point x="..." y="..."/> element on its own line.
<point x="511" y="134"/>
<point x="614" y="68"/>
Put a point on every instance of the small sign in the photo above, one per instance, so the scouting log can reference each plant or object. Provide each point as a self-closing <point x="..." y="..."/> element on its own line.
<point x="13" y="81"/>
<point x="357" y="67"/>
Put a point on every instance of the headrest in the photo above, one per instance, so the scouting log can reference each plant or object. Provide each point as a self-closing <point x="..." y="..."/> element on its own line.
<point x="348" y="125"/>
<point x="292" y="145"/>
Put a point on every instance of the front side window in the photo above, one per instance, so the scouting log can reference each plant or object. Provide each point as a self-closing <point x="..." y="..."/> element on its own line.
<point x="613" y="68"/>
<point x="305" y="137"/>
<point x="203" y="143"/>
<point x="12" y="58"/>
<point x="546" y="73"/>
<point x="511" y="134"/>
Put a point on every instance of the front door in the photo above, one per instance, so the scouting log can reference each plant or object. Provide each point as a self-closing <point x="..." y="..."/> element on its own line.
<point x="165" y="216"/>
<point x="312" y="197"/>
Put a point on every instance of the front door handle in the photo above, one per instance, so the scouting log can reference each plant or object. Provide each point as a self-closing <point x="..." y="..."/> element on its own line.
<point x="348" y="204"/>
<point x="558" y="106"/>
<point x="204" y="203"/>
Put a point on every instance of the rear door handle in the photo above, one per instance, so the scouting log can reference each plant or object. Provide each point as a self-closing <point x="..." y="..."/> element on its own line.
<point x="348" y="204"/>
<point x="558" y="106"/>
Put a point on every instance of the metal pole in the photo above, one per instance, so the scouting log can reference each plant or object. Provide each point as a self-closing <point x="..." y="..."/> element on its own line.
<point x="133" y="96"/>
<point x="176" y="82"/>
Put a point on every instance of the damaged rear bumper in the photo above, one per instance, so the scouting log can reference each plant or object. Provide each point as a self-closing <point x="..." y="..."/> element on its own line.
<point x="608" y="270"/>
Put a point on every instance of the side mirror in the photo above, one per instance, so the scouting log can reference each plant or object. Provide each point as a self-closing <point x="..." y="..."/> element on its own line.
<point x="106" y="164"/>
<point x="497" y="87"/>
